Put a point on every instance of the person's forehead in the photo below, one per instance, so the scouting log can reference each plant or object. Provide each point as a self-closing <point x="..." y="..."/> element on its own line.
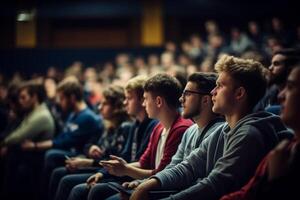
<point x="23" y="92"/>
<point x="147" y="94"/>
<point x="130" y="92"/>
<point x="278" y="57"/>
<point x="224" y="77"/>
<point x="191" y="85"/>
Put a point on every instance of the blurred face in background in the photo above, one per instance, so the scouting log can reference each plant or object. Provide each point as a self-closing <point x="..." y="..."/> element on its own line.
<point x="277" y="69"/>
<point x="50" y="87"/>
<point x="290" y="98"/>
<point x="64" y="102"/>
<point x="132" y="103"/>
<point x="106" y="109"/>
<point x="26" y="101"/>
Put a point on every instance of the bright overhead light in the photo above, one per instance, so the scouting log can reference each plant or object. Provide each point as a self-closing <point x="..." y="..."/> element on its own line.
<point x="25" y="16"/>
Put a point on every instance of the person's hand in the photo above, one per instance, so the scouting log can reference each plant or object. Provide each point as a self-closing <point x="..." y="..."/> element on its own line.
<point x="28" y="145"/>
<point x="92" y="180"/>
<point x="116" y="166"/>
<point x="76" y="163"/>
<point x="131" y="185"/>
<point x="139" y="193"/>
<point x="95" y="152"/>
<point x="278" y="161"/>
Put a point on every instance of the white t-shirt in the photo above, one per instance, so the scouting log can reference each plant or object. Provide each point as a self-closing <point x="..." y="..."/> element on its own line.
<point x="161" y="146"/>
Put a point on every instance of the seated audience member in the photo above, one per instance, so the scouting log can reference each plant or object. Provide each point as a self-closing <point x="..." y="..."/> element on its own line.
<point x="31" y="99"/>
<point x="278" y="71"/>
<point x="13" y="119"/>
<point x="37" y="125"/>
<point x="81" y="126"/>
<point x="161" y="94"/>
<point x="137" y="135"/>
<point x="278" y="174"/>
<point x="196" y="104"/>
<point x="58" y="115"/>
<point x="229" y="156"/>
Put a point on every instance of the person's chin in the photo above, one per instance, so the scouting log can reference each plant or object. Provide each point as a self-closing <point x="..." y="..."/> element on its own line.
<point x="214" y="109"/>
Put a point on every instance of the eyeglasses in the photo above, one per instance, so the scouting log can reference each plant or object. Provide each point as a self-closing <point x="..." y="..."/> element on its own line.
<point x="190" y="92"/>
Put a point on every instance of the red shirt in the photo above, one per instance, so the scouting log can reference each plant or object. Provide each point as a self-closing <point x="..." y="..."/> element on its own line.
<point x="147" y="160"/>
<point x="248" y="192"/>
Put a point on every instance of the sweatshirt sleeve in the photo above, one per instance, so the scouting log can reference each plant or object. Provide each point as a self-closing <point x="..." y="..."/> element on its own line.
<point x="230" y="172"/>
<point x="29" y="128"/>
<point x="185" y="173"/>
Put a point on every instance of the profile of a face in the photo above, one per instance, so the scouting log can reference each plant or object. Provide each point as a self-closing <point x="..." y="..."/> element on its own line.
<point x="290" y="97"/>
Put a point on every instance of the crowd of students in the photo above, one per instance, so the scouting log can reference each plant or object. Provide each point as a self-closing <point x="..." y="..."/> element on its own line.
<point x="228" y="134"/>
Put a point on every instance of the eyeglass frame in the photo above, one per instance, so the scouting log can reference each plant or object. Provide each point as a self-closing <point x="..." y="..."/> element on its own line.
<point x="185" y="92"/>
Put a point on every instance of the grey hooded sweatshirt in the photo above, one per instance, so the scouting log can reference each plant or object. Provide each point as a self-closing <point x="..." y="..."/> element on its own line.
<point x="225" y="160"/>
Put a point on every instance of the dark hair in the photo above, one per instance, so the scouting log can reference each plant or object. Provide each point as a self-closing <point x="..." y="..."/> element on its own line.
<point x="165" y="86"/>
<point x="205" y="82"/>
<point x="288" y="52"/>
<point x="71" y="86"/>
<point x="34" y="87"/>
<point x="181" y="77"/>
<point x="12" y="93"/>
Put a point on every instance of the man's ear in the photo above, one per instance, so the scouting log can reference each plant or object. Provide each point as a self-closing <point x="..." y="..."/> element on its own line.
<point x="205" y="99"/>
<point x="240" y="93"/>
<point x="159" y="101"/>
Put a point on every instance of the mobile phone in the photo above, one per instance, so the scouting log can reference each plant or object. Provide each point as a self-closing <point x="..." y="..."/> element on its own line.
<point x="119" y="188"/>
<point x="154" y="193"/>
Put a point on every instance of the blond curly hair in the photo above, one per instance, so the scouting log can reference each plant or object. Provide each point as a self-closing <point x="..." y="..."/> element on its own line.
<point x="246" y="73"/>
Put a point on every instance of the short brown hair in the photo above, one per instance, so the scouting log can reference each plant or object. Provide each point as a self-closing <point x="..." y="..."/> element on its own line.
<point x="205" y="81"/>
<point x="166" y="86"/>
<point x="137" y="84"/>
<point x="34" y="87"/>
<point x="71" y="86"/>
<point x="247" y="73"/>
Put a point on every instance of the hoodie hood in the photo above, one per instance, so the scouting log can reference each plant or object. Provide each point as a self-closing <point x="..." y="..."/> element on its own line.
<point x="268" y="124"/>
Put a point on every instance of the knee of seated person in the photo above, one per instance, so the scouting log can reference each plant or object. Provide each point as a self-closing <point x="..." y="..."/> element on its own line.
<point x="49" y="155"/>
<point x="95" y="190"/>
<point x="78" y="190"/>
<point x="66" y="180"/>
<point x="54" y="156"/>
<point x="59" y="171"/>
<point x="100" y="190"/>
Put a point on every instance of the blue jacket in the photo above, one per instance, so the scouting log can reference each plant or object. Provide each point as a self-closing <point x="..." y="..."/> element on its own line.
<point x="144" y="130"/>
<point x="79" y="128"/>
